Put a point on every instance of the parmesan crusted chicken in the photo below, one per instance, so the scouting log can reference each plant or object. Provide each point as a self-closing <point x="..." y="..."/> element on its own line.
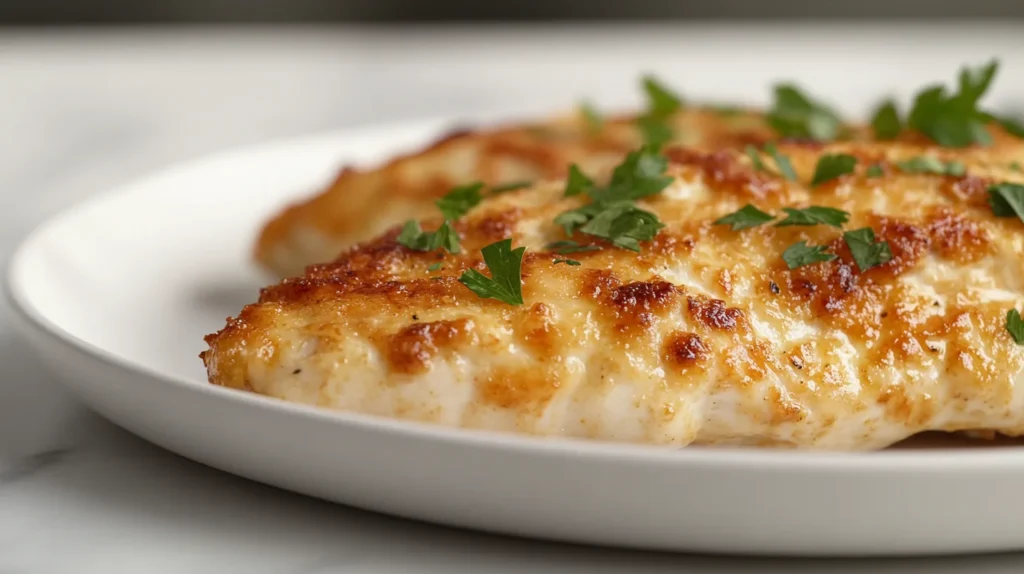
<point x="361" y="204"/>
<point x="707" y="336"/>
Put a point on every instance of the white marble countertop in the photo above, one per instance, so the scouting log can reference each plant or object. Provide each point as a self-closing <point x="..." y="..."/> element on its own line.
<point x="84" y="111"/>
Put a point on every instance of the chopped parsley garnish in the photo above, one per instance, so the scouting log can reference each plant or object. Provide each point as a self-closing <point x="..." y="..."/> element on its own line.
<point x="655" y="131"/>
<point x="874" y="170"/>
<point x="413" y="237"/>
<point x="505" y="282"/>
<point x="867" y="252"/>
<point x="755" y="158"/>
<point x="814" y="215"/>
<point x="794" y="115"/>
<point x="783" y="163"/>
<point x="572" y="262"/>
<point x="434" y="267"/>
<point x="1015" y="166"/>
<point x="595" y="122"/>
<point x="661" y="104"/>
<point x="886" y="121"/>
<point x="661" y="101"/>
<point x="744" y="218"/>
<point x="624" y="225"/>
<point x="1015" y="325"/>
<point x="1007" y="200"/>
<point x="831" y="166"/>
<point x="460" y="200"/>
<point x="955" y="120"/>
<point x="929" y="164"/>
<point x="510" y="186"/>
<point x="577" y="182"/>
<point x="800" y="254"/>
<point x="613" y="215"/>
<point x="567" y="246"/>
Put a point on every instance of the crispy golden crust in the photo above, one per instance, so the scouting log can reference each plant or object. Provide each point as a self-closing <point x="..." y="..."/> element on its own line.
<point x="361" y="204"/>
<point x="705" y="337"/>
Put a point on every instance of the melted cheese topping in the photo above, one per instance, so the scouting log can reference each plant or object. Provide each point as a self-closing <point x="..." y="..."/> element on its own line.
<point x="706" y="337"/>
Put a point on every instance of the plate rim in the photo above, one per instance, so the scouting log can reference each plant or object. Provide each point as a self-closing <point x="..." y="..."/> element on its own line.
<point x="29" y="316"/>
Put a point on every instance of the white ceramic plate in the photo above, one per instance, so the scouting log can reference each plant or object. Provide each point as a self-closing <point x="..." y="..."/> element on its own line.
<point x="117" y="293"/>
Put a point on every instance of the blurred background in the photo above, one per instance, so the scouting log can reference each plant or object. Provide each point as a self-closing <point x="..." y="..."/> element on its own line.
<point x="63" y="12"/>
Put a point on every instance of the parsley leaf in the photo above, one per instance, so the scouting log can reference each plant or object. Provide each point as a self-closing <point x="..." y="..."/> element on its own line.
<point x="434" y="267"/>
<point x="785" y="167"/>
<point x="954" y="120"/>
<point x="510" y="186"/>
<point x="460" y="200"/>
<point x="874" y="170"/>
<point x="624" y="225"/>
<point x="655" y="131"/>
<point x="744" y="218"/>
<point x="639" y="175"/>
<point x="572" y="262"/>
<point x="929" y="164"/>
<point x="755" y="158"/>
<point x="800" y="254"/>
<point x="1007" y="200"/>
<point x="794" y="115"/>
<point x="867" y="252"/>
<point x="661" y="101"/>
<point x="613" y="215"/>
<point x="1015" y="325"/>
<point x="577" y="182"/>
<point x="505" y="282"/>
<point x="1015" y="166"/>
<point x="886" y="121"/>
<point x="413" y="237"/>
<point x="595" y="122"/>
<point x="814" y="215"/>
<point x="831" y="166"/>
<point x="568" y="246"/>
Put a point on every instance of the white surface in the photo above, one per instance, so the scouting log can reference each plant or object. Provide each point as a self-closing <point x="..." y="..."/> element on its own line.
<point x="83" y="113"/>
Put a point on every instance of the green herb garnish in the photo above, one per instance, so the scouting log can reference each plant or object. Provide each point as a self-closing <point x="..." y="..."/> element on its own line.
<point x="1007" y="200"/>
<point x="874" y="170"/>
<point x="511" y="186"/>
<point x="577" y="182"/>
<point x="755" y="158"/>
<point x="955" y="120"/>
<point x="867" y="252"/>
<point x="1015" y="325"/>
<point x="783" y="163"/>
<point x="1012" y="126"/>
<point x="434" y="267"/>
<point x="595" y="122"/>
<point x="572" y="262"/>
<point x="624" y="225"/>
<point x="929" y="164"/>
<point x="800" y="254"/>
<point x="460" y="200"/>
<point x="794" y="115"/>
<point x="831" y="166"/>
<point x="413" y="237"/>
<point x="1015" y="166"/>
<point x="886" y="121"/>
<point x="744" y="218"/>
<point x="655" y="131"/>
<point x="505" y="282"/>
<point x="814" y="215"/>
<point x="661" y="101"/>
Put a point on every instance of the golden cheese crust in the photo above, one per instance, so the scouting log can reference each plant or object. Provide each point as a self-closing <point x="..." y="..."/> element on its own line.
<point x="706" y="337"/>
<point x="361" y="204"/>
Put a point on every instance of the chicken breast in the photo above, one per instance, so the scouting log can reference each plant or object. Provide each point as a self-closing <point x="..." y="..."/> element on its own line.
<point x="705" y="337"/>
<point x="361" y="204"/>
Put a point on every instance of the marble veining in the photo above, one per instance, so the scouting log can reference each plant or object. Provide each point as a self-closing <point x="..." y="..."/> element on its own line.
<point x="85" y="111"/>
